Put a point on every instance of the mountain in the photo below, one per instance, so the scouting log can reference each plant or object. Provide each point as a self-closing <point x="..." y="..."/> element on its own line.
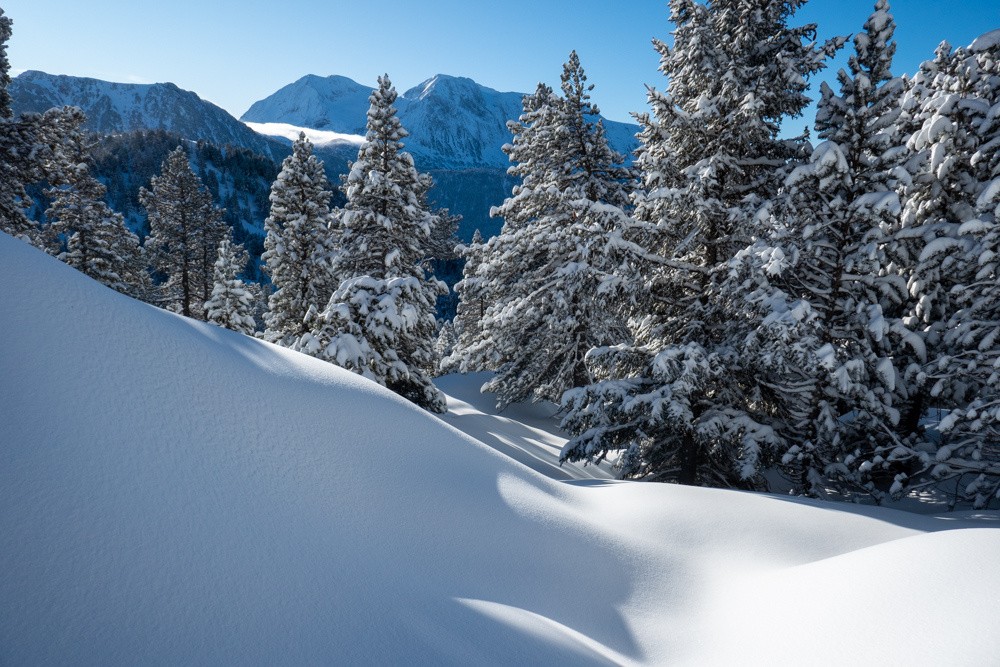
<point x="175" y="493"/>
<point x="457" y="130"/>
<point x="127" y="107"/>
<point x="333" y="103"/>
<point x="454" y="122"/>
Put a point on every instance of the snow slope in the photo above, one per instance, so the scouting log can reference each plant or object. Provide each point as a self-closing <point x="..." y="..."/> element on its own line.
<point x="526" y="432"/>
<point x="171" y="492"/>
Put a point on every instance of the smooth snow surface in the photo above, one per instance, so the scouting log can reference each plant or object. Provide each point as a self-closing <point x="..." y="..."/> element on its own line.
<point x="174" y="493"/>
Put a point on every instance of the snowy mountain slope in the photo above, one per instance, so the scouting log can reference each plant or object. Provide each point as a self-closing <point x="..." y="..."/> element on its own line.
<point x="126" y="107"/>
<point x="332" y="103"/>
<point x="454" y="122"/>
<point x="172" y="492"/>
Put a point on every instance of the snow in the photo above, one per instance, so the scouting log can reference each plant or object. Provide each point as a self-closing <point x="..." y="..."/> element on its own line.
<point x="526" y="432"/>
<point x="173" y="492"/>
<point x="126" y="107"/>
<point x="990" y="40"/>
<point x="454" y="122"/>
<point x="320" y="138"/>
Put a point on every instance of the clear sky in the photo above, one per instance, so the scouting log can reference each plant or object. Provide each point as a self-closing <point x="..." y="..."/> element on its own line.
<point x="235" y="53"/>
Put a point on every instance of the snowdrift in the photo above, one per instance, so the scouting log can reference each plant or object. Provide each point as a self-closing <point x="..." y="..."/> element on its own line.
<point x="171" y="492"/>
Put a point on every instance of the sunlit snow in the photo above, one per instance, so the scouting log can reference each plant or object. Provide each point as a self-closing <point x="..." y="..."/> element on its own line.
<point x="317" y="137"/>
<point x="174" y="493"/>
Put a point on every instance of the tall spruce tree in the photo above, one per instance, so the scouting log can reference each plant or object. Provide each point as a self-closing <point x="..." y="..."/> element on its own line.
<point x="680" y="401"/>
<point x="185" y="231"/>
<point x="380" y="321"/>
<point x="299" y="244"/>
<point x="542" y="276"/>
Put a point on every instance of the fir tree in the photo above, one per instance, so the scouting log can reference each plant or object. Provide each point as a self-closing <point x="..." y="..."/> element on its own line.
<point x="680" y="401"/>
<point x="542" y="276"/>
<point x="380" y="321"/>
<point x="299" y="244"/>
<point x="232" y="302"/>
<point x="185" y="231"/>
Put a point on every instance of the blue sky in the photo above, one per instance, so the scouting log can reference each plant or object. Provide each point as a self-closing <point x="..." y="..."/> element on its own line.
<point x="234" y="53"/>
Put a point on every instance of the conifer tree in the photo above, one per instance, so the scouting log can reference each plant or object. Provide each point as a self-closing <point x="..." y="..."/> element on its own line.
<point x="185" y="231"/>
<point x="680" y="401"/>
<point x="471" y="307"/>
<point x="380" y="321"/>
<point x="949" y="228"/>
<point x="19" y="163"/>
<point x="542" y="276"/>
<point x="89" y="236"/>
<point x="232" y="302"/>
<point x="818" y="279"/>
<point x="299" y="244"/>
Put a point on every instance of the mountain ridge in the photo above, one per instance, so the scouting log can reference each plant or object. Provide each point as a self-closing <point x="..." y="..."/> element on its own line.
<point x="454" y="122"/>
<point x="114" y="107"/>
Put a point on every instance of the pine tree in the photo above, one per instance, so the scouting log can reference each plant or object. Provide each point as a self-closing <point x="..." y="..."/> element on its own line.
<point x="19" y="163"/>
<point x="681" y="401"/>
<point x="818" y="277"/>
<point x="89" y="236"/>
<point x="380" y="321"/>
<point x="299" y="244"/>
<point x="6" y="30"/>
<point x="232" y="302"/>
<point x="542" y="276"/>
<point x="185" y="231"/>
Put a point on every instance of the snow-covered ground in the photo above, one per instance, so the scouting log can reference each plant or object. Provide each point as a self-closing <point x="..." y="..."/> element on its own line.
<point x="175" y="493"/>
<point x="527" y="433"/>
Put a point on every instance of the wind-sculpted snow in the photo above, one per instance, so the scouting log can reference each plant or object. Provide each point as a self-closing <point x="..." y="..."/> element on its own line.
<point x="171" y="492"/>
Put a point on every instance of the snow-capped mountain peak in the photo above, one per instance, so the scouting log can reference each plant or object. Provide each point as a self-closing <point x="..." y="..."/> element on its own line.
<point x="332" y="103"/>
<point x="454" y="122"/>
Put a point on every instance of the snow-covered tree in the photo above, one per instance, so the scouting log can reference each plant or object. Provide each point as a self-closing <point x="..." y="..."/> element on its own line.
<point x="18" y="159"/>
<point x="444" y="344"/>
<point x="681" y="401"/>
<point x="949" y="227"/>
<point x="380" y="321"/>
<point x="232" y="302"/>
<point x="817" y="277"/>
<point x="540" y="279"/>
<point x="299" y="244"/>
<point x="185" y="231"/>
<point x="88" y="235"/>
